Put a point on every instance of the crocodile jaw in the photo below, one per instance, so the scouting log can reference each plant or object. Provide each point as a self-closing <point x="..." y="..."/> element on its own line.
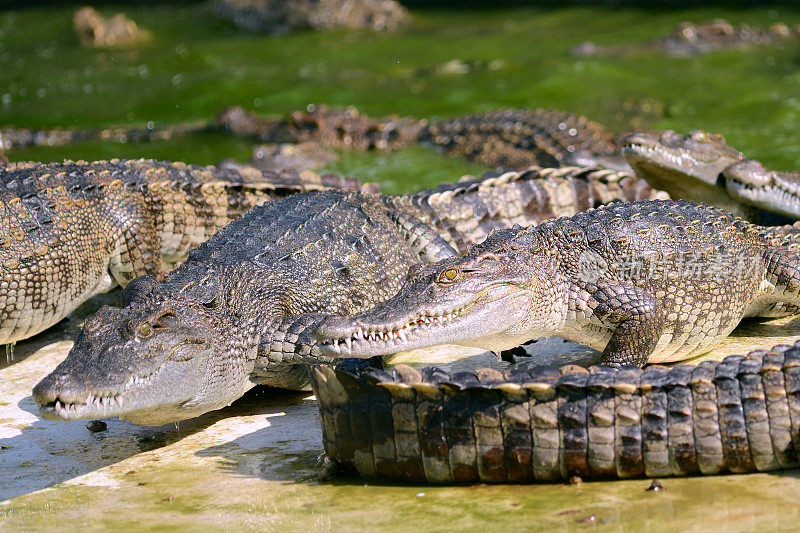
<point x="139" y="399"/>
<point x="682" y="166"/>
<point x="494" y="325"/>
<point x="751" y="183"/>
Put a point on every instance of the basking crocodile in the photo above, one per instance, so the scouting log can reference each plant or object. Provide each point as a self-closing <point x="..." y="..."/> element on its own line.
<point x="71" y="230"/>
<point x="240" y="309"/>
<point x="689" y="39"/>
<point x="738" y="415"/>
<point x="654" y="281"/>
<point x="702" y="167"/>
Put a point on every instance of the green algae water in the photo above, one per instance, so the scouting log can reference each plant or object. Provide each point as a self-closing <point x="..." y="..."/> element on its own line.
<point x="447" y="62"/>
<point x="254" y="465"/>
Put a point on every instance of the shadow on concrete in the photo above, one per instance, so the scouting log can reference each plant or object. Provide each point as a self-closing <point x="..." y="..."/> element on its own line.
<point x="46" y="453"/>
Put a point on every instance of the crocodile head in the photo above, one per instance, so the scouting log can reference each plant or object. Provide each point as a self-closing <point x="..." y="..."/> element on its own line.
<point x="751" y="183"/>
<point x="157" y="360"/>
<point x="485" y="299"/>
<point x="687" y="167"/>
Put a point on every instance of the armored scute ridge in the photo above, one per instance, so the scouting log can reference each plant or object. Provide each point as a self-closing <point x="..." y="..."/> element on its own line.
<point x="738" y="415"/>
<point x="240" y="310"/>
<point x="71" y="230"/>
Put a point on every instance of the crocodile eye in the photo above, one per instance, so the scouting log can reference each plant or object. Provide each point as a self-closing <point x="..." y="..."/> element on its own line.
<point x="448" y="275"/>
<point x="144" y="330"/>
<point x="701" y="136"/>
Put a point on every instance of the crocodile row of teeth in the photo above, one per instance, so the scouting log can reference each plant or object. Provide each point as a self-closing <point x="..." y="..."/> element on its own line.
<point x="770" y="191"/>
<point x="676" y="159"/>
<point x="136" y="380"/>
<point x="101" y="402"/>
<point x="365" y="333"/>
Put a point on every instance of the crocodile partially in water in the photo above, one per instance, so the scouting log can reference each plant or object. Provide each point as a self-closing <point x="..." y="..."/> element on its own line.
<point x="655" y="281"/>
<point x="689" y="39"/>
<point x="240" y="309"/>
<point x="741" y="414"/>
<point x="71" y="230"/>
<point x="517" y="138"/>
<point x="701" y="166"/>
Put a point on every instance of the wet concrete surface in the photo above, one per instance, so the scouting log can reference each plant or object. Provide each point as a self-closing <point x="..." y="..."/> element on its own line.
<point x="256" y="465"/>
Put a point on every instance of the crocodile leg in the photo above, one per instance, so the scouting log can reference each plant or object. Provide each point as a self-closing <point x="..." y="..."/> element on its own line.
<point x="783" y="277"/>
<point x="630" y="312"/>
<point x="135" y="243"/>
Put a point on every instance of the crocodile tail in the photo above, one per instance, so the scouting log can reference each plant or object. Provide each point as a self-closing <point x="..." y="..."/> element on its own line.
<point x="738" y="415"/>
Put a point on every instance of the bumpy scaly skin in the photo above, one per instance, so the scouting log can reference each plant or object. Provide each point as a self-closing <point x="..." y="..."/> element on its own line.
<point x="240" y="310"/>
<point x="650" y="281"/>
<point x="738" y="415"/>
<point x="517" y="138"/>
<point x="700" y="166"/>
<point x="71" y="230"/>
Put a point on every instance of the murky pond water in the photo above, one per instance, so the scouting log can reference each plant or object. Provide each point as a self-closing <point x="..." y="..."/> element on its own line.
<point x="254" y="464"/>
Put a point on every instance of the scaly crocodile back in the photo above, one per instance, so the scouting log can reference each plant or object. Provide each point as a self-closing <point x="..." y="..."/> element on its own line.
<point x="74" y="229"/>
<point x="464" y="213"/>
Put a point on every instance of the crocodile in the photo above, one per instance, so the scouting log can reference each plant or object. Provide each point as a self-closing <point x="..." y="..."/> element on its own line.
<point x="653" y="281"/>
<point x="701" y="166"/>
<point x="689" y="39"/>
<point x="741" y="414"/>
<point x="511" y="139"/>
<point x="97" y="31"/>
<point x="12" y="137"/>
<point x="508" y="139"/>
<point x="75" y="229"/>
<point x="278" y="17"/>
<point x="331" y="128"/>
<point x="240" y="309"/>
<point x="517" y="138"/>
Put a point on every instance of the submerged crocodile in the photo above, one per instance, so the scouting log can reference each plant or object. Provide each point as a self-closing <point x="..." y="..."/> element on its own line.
<point x="517" y="138"/>
<point x="278" y="17"/>
<point x="509" y="139"/>
<point x="97" y="31"/>
<point x="14" y="137"/>
<point x="738" y="415"/>
<point x="240" y="309"/>
<point x="689" y="39"/>
<point x="654" y="281"/>
<point x="71" y="230"/>
<point x="701" y="166"/>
